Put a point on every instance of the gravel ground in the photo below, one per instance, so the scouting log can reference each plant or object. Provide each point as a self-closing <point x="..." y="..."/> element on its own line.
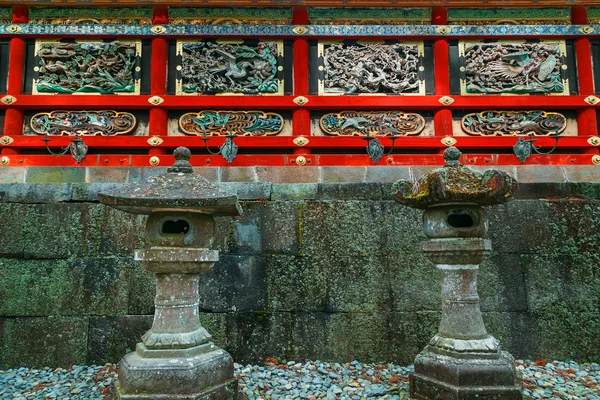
<point x="310" y="380"/>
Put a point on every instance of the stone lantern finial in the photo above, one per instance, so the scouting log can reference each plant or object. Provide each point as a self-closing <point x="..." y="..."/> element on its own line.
<point x="181" y="165"/>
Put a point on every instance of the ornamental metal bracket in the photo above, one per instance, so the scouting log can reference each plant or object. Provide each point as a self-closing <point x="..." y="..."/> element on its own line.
<point x="442" y="30"/>
<point x="300" y="30"/>
<point x="592" y="100"/>
<point x="156" y="100"/>
<point x="158" y="29"/>
<point x="586" y="29"/>
<point x="524" y="148"/>
<point x="300" y="141"/>
<point x="13" y="28"/>
<point x="6" y="140"/>
<point x="77" y="148"/>
<point x="155" y="141"/>
<point x="4" y="160"/>
<point x="154" y="161"/>
<point x="594" y="141"/>
<point x="446" y="100"/>
<point x="228" y="149"/>
<point x="375" y="149"/>
<point x="8" y="99"/>
<point x="301" y="100"/>
<point x="596" y="159"/>
<point x="448" y="141"/>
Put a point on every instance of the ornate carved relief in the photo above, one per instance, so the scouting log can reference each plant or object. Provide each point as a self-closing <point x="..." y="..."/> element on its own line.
<point x="228" y="16"/>
<point x="86" y="123"/>
<point x="230" y="67"/>
<point x="516" y="68"/>
<point x="87" y="67"/>
<point x="371" y="68"/>
<point x="241" y="123"/>
<point x="370" y="123"/>
<point x="369" y="16"/>
<point x="509" y="16"/>
<point x="90" y="15"/>
<point x="510" y="123"/>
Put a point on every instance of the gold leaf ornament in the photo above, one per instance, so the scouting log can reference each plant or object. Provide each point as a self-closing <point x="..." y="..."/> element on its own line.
<point x="158" y="29"/>
<point x="6" y="140"/>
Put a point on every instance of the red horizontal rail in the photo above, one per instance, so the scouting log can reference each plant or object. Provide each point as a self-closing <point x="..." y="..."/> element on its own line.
<point x="286" y="142"/>
<point x="201" y="160"/>
<point x="287" y="102"/>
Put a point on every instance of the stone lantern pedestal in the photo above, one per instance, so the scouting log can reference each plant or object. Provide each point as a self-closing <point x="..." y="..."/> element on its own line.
<point x="176" y="358"/>
<point x="462" y="361"/>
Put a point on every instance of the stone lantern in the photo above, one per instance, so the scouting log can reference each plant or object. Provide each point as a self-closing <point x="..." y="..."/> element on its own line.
<point x="462" y="361"/>
<point x="176" y="358"/>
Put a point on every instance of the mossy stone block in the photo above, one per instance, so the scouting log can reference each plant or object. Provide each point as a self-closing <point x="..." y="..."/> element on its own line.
<point x="414" y="282"/>
<point x="110" y="338"/>
<point x="13" y="224"/>
<point x="281" y="227"/>
<point x="43" y="342"/>
<point x="294" y="191"/>
<point x="55" y="174"/>
<point x="319" y="336"/>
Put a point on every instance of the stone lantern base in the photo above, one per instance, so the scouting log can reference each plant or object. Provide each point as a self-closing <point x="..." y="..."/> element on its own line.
<point x="465" y="376"/>
<point x="198" y="373"/>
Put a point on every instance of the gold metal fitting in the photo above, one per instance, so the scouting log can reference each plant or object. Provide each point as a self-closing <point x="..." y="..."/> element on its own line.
<point x="4" y="160"/>
<point x="155" y="141"/>
<point x="446" y="100"/>
<point x="158" y="29"/>
<point x="6" y="140"/>
<point x="300" y="160"/>
<point x="300" y="30"/>
<point x="442" y="30"/>
<point x="594" y="141"/>
<point x="301" y="100"/>
<point x="586" y="29"/>
<point x="448" y="141"/>
<point x="592" y="100"/>
<point x="13" y="28"/>
<point x="596" y="160"/>
<point x="154" y="161"/>
<point x="300" y="141"/>
<point x="156" y="100"/>
<point x="8" y="99"/>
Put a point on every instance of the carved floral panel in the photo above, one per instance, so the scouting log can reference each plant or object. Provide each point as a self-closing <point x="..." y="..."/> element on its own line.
<point x="87" y="67"/>
<point x="230" y="67"/>
<point x="85" y="123"/>
<point x="513" y="68"/>
<point x="241" y="123"/>
<point x="510" y="123"/>
<point x="371" y="68"/>
<point x="363" y="123"/>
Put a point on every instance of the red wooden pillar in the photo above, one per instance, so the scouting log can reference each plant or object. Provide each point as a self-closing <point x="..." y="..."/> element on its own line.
<point x="586" y="117"/>
<point x="13" y="118"/>
<point x="300" y="116"/>
<point x="442" y="119"/>
<point x="159" y="117"/>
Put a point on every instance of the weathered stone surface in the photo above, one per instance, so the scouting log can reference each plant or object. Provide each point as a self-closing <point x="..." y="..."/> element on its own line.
<point x="35" y="192"/>
<point x="281" y="227"/>
<point x="108" y="174"/>
<point x="296" y="283"/>
<point x="109" y="338"/>
<point x="89" y="191"/>
<point x="55" y="174"/>
<point x="387" y="174"/>
<point x="343" y="174"/>
<point x="239" y="174"/>
<point x="533" y="173"/>
<point x="43" y="342"/>
<point x="288" y="174"/>
<point x="90" y="286"/>
<point x="294" y="191"/>
<point x="253" y="336"/>
<point x="12" y="228"/>
<point x="142" y="174"/>
<point x="245" y="236"/>
<point x="234" y="283"/>
<point x="349" y="191"/>
<point x="211" y="174"/>
<point x="401" y="229"/>
<point x="248" y="190"/>
<point x="501" y="282"/>
<point x="414" y="283"/>
<point x="13" y="174"/>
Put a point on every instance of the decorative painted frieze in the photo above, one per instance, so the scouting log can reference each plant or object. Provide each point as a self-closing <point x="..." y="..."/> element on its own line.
<point x="371" y="68"/>
<point x="84" y="123"/>
<point x="229" y="67"/>
<point x="511" y="123"/>
<point x="87" y="67"/>
<point x="240" y="123"/>
<point x="369" y="16"/>
<point x="87" y="15"/>
<point x="593" y="14"/>
<point x="514" y="68"/>
<point x="372" y="123"/>
<point x="239" y="15"/>
<point x="509" y="16"/>
<point x="6" y="15"/>
<point x="237" y="30"/>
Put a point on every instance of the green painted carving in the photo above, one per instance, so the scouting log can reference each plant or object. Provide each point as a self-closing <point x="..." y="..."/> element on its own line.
<point x="86" y="123"/>
<point x="240" y="123"/>
<point x="71" y="15"/>
<point x="593" y="14"/>
<point x="517" y="68"/>
<point x="509" y="15"/>
<point x="6" y="13"/>
<point x="372" y="123"/>
<point x="369" y="15"/>
<point x="212" y="68"/>
<point x="511" y="123"/>
<point x="87" y="67"/>
<point x="205" y="15"/>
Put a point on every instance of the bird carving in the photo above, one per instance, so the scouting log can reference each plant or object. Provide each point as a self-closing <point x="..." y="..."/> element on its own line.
<point x="515" y="64"/>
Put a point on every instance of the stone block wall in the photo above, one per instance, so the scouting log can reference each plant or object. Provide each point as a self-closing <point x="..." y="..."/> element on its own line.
<point x="315" y="269"/>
